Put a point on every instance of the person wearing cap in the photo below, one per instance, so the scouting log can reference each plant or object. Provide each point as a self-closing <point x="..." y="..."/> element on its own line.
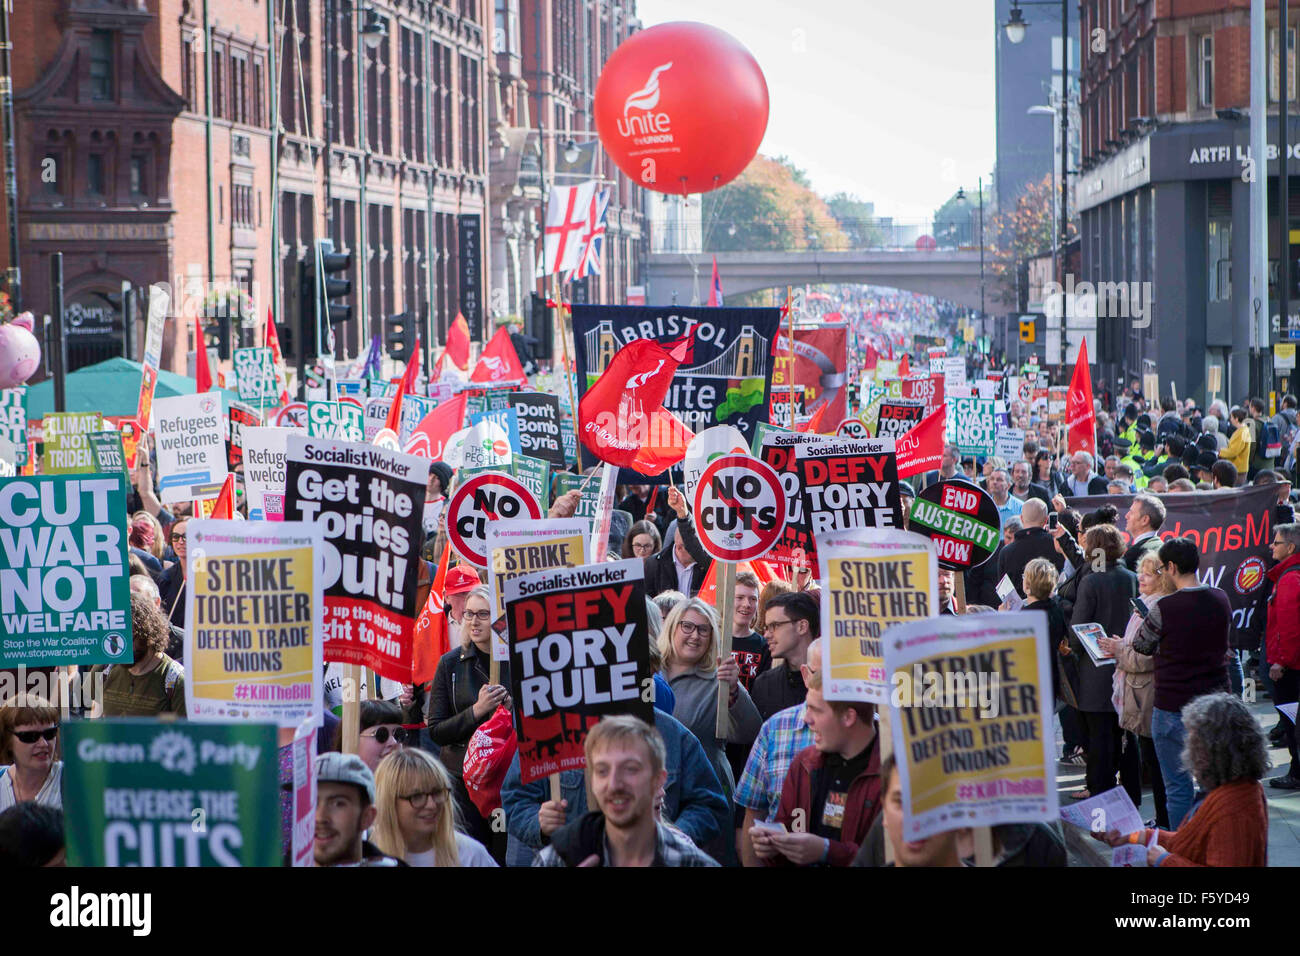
<point x="1127" y="427"/>
<point x="461" y="580"/>
<point x="345" y="810"/>
<point x="436" y="497"/>
<point x="906" y="495"/>
<point x="1238" y="450"/>
<point x="1205" y="462"/>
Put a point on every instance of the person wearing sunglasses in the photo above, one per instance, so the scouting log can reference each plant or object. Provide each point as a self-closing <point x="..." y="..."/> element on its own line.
<point x="171" y="583"/>
<point x="381" y="732"/>
<point x="29" y="745"/>
<point x="417" y="818"/>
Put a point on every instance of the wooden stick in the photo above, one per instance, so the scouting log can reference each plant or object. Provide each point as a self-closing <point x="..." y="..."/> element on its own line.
<point x="727" y="604"/>
<point x="789" y="311"/>
<point x="555" y="787"/>
<point x="351" y="708"/>
<point x="564" y="343"/>
<point x="983" y="837"/>
<point x="959" y="591"/>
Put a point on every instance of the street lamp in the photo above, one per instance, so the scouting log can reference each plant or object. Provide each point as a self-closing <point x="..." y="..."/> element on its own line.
<point x="1015" y="27"/>
<point x="375" y="29"/>
<point x="571" y="151"/>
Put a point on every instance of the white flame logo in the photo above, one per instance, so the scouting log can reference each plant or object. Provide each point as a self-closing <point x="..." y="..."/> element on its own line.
<point x="636" y="381"/>
<point x="646" y="98"/>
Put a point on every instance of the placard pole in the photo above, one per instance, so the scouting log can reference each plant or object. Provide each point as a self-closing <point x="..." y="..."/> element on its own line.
<point x="727" y="605"/>
<point x="351" y="708"/>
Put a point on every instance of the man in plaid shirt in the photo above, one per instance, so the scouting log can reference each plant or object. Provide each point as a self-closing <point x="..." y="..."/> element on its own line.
<point x="625" y="769"/>
<point x="782" y="736"/>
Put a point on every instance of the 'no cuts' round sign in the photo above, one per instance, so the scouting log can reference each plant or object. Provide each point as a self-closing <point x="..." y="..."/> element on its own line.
<point x="485" y="497"/>
<point x="739" y="508"/>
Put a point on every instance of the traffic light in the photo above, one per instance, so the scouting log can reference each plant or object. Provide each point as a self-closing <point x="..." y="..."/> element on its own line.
<point x="399" y="336"/>
<point x="315" y="289"/>
<point x="1027" y="331"/>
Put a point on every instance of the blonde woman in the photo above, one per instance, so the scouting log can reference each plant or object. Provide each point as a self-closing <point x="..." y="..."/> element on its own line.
<point x="416" y="818"/>
<point x="688" y="644"/>
<point x="1135" y="689"/>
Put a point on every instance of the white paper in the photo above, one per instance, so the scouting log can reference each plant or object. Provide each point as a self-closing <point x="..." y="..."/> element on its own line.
<point x="1007" y="591"/>
<point x="1288" y="710"/>
<point x="1112" y="810"/>
<point x="1087" y="635"/>
<point x="1129" y="855"/>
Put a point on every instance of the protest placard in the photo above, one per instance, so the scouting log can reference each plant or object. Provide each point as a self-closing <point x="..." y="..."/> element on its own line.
<point x="67" y="450"/>
<point x="1009" y="445"/>
<point x="539" y="426"/>
<point x="518" y="546"/>
<point x="254" y="616"/>
<point x="170" y="793"/>
<point x="486" y="497"/>
<point x="151" y="360"/>
<point x="972" y="702"/>
<point x="240" y="418"/>
<point x="962" y="521"/>
<point x="579" y="651"/>
<point x="562" y="482"/>
<point x="483" y="445"/>
<point x="739" y="505"/>
<point x="64" y="595"/>
<point x="971" y="425"/>
<point x="191" y="444"/>
<point x="852" y="428"/>
<point x="954" y="371"/>
<point x="341" y="420"/>
<point x="293" y="415"/>
<point x="369" y="504"/>
<point x="265" y="449"/>
<point x="374" y="416"/>
<point x="106" y="452"/>
<point x="508" y="420"/>
<point x="13" y="420"/>
<point x="255" y="371"/>
<point x="8" y="455"/>
<point x="850" y="484"/>
<point x="795" y="547"/>
<point x="871" y="579"/>
<point x="304" y="795"/>
<point x="898" y="416"/>
<point x="414" y="408"/>
<point x="928" y="388"/>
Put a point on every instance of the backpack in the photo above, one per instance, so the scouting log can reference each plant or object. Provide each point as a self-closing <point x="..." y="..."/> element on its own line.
<point x="1270" y="439"/>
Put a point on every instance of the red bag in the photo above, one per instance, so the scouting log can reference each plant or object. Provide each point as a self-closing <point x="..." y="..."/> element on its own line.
<point x="487" y="758"/>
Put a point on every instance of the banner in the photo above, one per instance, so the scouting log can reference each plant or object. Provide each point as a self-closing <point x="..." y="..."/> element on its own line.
<point x="898" y="416"/>
<point x="256" y="378"/>
<point x="972" y="722"/>
<point x="64" y="596"/>
<point x="506" y="418"/>
<point x="971" y="425"/>
<point x="820" y="370"/>
<point x="13" y="420"/>
<point x="265" y="450"/>
<point x="579" y="651"/>
<point x="484" y="445"/>
<point x="191" y="444"/>
<point x="726" y="380"/>
<point x="795" y="546"/>
<point x="171" y="793"/>
<point x="1233" y="529"/>
<point x="369" y="504"/>
<point x="519" y="546"/>
<point x="962" y="521"/>
<point x="254" y="617"/>
<point x="67" y="450"/>
<point x="850" y="484"/>
<point x="871" y="579"/>
<point x="151" y="360"/>
<point x="240" y="418"/>
<point x="538" y="418"/>
<point x="921" y="449"/>
<point x="343" y="421"/>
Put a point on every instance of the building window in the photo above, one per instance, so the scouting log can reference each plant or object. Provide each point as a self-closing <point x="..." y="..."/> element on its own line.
<point x="95" y="174"/>
<point x="1220" y="260"/>
<point x="218" y="81"/>
<point x="1274" y="78"/>
<point x="440" y="76"/>
<point x="139" y="176"/>
<point x="1205" y="71"/>
<point x="259" y="87"/>
<point x="469" y="119"/>
<point x="239" y="87"/>
<point x="241" y="205"/>
<point x="411" y="81"/>
<point x="188" y="86"/>
<point x="101" y="64"/>
<point x="505" y="32"/>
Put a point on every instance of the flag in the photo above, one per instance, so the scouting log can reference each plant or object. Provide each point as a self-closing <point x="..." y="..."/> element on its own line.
<point x="457" y="347"/>
<point x="369" y="366"/>
<point x="272" y="341"/>
<point x="715" y="287"/>
<point x="904" y="367"/>
<point x="436" y="374"/>
<point x="202" y="372"/>
<point x="404" y="387"/>
<point x="431" y="639"/>
<point x="225" y="506"/>
<point x="499" y="362"/>
<point x="1080" y="417"/>
<point x="921" y="449"/>
<point x="869" y="357"/>
<point x="814" y="425"/>
<point x="593" y="238"/>
<point x="621" y="418"/>
<point x="709" y="587"/>
<point x="566" y="218"/>
<point x="430" y="436"/>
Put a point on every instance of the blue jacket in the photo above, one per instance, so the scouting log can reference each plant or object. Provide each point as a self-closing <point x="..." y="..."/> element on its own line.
<point x="693" y="798"/>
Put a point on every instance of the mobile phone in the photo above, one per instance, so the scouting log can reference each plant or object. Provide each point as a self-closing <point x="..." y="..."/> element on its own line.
<point x="1053" y="519"/>
<point x="1139" y="606"/>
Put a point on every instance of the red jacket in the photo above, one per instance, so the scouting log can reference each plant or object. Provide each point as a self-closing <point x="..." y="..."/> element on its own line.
<point x="1283" y="634"/>
<point x="862" y="804"/>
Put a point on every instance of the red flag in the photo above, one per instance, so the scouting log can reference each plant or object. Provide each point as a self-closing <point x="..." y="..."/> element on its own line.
<point x="458" y="343"/>
<point x="202" y="373"/>
<point x="870" y="357"/>
<point x="1080" y="416"/>
<point x="621" y="418"/>
<point x="814" y="425"/>
<point x="429" y="437"/>
<point x="431" y="640"/>
<point x="436" y="374"/>
<point x="921" y="449"/>
<point x="709" y="587"/>
<point x="499" y="361"/>
<point x="715" y="287"/>
<point x="272" y="341"/>
<point x="904" y="367"/>
<point x="407" y="384"/>
<point x="225" y="506"/>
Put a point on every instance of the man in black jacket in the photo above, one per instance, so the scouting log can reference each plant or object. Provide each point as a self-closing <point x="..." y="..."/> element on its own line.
<point x="1022" y="487"/>
<point x="1031" y="541"/>
<point x="1142" y="520"/>
<point x="791" y="621"/>
<point x="1082" y="480"/>
<point x="681" y="565"/>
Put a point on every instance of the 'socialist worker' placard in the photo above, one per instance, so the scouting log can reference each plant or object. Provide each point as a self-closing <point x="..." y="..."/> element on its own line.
<point x="972" y="728"/>
<point x="64" y="595"/>
<point x="579" y="651"/>
<point x="871" y="579"/>
<point x="369" y="505"/>
<point x="253" y="622"/>
<point x="174" y="793"/>
<point x="850" y="484"/>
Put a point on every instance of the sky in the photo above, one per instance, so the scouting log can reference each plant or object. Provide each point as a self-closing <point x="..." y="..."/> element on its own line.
<point x="889" y="100"/>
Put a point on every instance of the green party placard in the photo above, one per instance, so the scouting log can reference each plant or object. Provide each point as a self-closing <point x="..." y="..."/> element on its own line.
<point x="170" y="793"/>
<point x="589" y="503"/>
<point x="106" y="448"/>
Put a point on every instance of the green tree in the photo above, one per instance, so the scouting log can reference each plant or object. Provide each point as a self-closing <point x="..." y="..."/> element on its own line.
<point x="1027" y="231"/>
<point x="770" y="206"/>
<point x="858" y="220"/>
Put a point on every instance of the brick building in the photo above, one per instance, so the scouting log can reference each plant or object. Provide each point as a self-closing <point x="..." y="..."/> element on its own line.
<point x="1164" y="205"/>
<point x="147" y="151"/>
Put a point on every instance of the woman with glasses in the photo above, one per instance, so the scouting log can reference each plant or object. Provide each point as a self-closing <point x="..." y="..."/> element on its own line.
<point x="462" y="697"/>
<point x="417" y="819"/>
<point x="29" y="746"/>
<point x="171" y="583"/>
<point x="688" y="644"/>
<point x="642" y="540"/>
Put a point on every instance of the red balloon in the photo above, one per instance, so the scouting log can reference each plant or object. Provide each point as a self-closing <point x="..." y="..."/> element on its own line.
<point x="681" y="107"/>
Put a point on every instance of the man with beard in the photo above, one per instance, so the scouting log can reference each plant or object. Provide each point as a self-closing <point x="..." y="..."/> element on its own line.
<point x="345" y="809"/>
<point x="625" y="769"/>
<point x="1024" y="489"/>
<point x="155" y="683"/>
